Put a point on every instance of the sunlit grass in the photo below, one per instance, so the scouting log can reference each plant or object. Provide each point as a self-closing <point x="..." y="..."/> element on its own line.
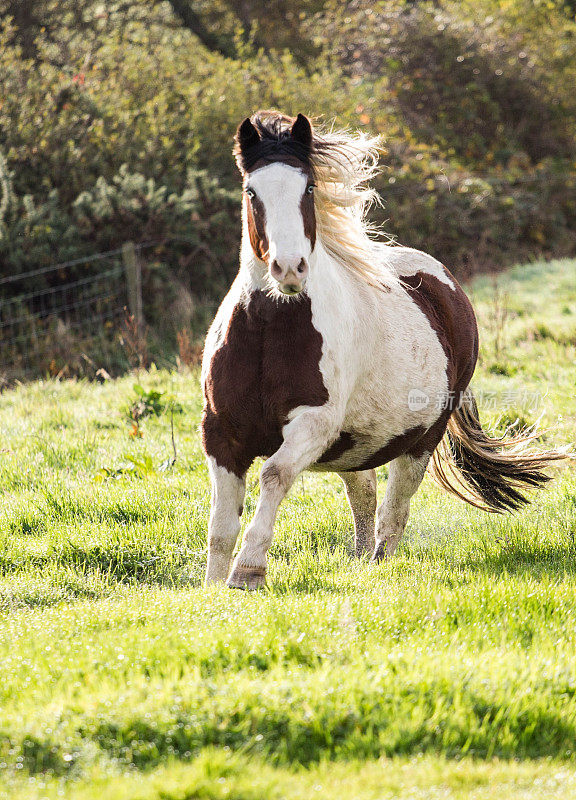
<point x="447" y="673"/>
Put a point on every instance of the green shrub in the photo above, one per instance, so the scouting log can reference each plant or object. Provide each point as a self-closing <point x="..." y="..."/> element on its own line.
<point x="119" y="126"/>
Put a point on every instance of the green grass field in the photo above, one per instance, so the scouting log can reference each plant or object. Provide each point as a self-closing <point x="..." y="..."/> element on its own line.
<point x="449" y="672"/>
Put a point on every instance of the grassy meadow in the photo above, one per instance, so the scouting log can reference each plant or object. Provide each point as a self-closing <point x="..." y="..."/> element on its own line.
<point x="449" y="672"/>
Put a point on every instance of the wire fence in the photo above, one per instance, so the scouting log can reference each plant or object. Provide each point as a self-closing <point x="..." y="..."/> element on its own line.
<point x="54" y="317"/>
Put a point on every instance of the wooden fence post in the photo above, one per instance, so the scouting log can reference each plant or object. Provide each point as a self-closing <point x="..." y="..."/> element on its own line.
<point x="133" y="270"/>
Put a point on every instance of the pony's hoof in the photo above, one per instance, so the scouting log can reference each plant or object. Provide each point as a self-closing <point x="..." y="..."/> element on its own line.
<point x="380" y="554"/>
<point x="247" y="578"/>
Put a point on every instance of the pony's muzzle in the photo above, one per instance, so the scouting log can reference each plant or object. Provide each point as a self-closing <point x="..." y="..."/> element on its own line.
<point x="290" y="277"/>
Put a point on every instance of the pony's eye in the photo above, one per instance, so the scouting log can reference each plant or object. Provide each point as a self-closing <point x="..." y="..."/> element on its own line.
<point x="310" y="189"/>
<point x="249" y="193"/>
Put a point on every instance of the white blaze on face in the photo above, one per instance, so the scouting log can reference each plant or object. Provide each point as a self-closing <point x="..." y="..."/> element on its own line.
<point x="280" y="189"/>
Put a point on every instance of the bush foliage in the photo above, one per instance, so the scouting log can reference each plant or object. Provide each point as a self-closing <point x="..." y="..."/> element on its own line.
<point x="116" y="122"/>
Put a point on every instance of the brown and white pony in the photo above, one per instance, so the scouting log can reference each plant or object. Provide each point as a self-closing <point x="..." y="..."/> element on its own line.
<point x="333" y="351"/>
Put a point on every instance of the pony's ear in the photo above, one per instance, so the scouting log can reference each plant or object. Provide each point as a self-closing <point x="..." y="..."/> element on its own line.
<point x="246" y="135"/>
<point x="301" y="130"/>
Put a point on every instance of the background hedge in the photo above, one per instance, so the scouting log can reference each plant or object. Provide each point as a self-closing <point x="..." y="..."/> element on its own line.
<point x="116" y="122"/>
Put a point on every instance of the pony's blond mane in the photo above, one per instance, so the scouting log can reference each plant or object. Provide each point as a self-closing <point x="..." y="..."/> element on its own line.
<point x="343" y="165"/>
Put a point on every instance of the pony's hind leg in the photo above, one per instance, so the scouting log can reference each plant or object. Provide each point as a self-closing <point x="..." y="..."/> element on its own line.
<point x="404" y="477"/>
<point x="361" y="494"/>
<point x="224" y="526"/>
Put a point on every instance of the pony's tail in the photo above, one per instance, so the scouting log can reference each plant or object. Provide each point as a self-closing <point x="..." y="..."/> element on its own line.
<point x="488" y="473"/>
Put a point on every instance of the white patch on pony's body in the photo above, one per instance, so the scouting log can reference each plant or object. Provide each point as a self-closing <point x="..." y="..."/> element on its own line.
<point x="224" y="526"/>
<point x="253" y="272"/>
<point x="404" y="477"/>
<point x="219" y="326"/>
<point x="377" y="347"/>
<point x="361" y="493"/>
<point x="408" y="261"/>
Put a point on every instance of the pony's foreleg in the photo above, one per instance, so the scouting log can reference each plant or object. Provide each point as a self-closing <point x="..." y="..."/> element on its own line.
<point x="305" y="439"/>
<point x="404" y="477"/>
<point x="224" y="526"/>
<point x="361" y="493"/>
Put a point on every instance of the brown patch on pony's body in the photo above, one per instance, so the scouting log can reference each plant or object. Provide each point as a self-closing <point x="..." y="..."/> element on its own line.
<point x="309" y="217"/>
<point x="341" y="445"/>
<point x="257" y="227"/>
<point x="452" y="318"/>
<point x="407" y="442"/>
<point x="267" y="365"/>
<point x="394" y="448"/>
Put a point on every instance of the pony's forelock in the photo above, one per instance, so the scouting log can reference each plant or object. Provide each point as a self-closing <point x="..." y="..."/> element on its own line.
<point x="273" y="143"/>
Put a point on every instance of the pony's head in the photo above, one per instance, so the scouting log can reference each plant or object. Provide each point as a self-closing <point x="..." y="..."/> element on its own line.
<point x="273" y="153"/>
<point x="302" y="185"/>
